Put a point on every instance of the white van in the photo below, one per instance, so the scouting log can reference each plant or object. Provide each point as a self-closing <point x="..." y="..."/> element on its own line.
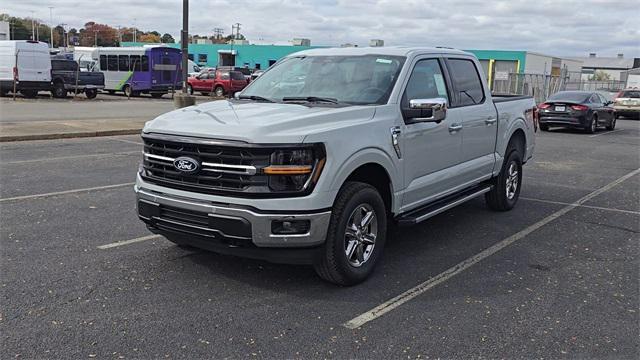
<point x="29" y="63"/>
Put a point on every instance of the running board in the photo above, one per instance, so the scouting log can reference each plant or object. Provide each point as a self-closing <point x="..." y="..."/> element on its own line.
<point x="432" y="209"/>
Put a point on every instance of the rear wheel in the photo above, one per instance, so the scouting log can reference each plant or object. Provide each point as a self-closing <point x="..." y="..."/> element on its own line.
<point x="356" y="235"/>
<point x="219" y="90"/>
<point x="127" y="91"/>
<point x="506" y="186"/>
<point x="91" y="93"/>
<point x="612" y="124"/>
<point x="593" y="125"/>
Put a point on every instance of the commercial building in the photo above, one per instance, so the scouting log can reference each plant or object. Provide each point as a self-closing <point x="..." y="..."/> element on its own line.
<point x="251" y="56"/>
<point x="498" y="64"/>
<point x="612" y="66"/>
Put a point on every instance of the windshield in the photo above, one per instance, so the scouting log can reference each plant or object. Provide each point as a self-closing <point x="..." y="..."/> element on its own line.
<point x="570" y="96"/>
<point x="366" y="79"/>
<point x="634" y="94"/>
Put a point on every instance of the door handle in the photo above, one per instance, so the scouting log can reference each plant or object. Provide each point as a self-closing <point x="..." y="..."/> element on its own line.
<point x="490" y="120"/>
<point x="455" y="128"/>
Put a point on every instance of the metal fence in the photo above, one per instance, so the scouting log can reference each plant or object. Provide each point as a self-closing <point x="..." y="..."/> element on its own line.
<point x="541" y="86"/>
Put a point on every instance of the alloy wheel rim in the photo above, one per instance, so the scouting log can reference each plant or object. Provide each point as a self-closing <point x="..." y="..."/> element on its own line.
<point x="512" y="180"/>
<point x="360" y="235"/>
<point x="594" y="124"/>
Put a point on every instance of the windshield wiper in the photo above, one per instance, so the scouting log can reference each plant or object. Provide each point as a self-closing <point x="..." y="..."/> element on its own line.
<point x="255" y="98"/>
<point x="311" y="99"/>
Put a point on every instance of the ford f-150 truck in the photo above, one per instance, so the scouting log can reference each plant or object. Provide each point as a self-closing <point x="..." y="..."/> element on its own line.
<point x="314" y="160"/>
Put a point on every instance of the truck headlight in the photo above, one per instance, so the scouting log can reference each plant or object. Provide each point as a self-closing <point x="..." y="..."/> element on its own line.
<point x="293" y="170"/>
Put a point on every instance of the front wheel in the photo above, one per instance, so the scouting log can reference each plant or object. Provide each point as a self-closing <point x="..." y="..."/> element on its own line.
<point x="506" y="186"/>
<point x="356" y="235"/>
<point x="59" y="92"/>
<point x="91" y="93"/>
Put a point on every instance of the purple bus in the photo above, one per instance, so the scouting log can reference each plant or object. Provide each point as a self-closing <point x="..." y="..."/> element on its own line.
<point x="151" y="70"/>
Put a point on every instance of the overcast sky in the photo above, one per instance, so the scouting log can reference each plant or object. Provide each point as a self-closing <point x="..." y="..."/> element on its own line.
<point x="560" y="27"/>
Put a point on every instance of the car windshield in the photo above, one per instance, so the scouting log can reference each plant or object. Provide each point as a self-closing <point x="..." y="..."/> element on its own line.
<point x="361" y="80"/>
<point x="570" y="96"/>
<point x="634" y="94"/>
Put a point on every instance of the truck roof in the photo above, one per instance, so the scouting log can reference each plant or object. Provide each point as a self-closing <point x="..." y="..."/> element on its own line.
<point x="388" y="50"/>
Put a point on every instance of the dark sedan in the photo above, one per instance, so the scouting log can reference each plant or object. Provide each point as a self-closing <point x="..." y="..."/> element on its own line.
<point x="585" y="110"/>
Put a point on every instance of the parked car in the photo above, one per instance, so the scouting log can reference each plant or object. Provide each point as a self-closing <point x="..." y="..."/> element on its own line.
<point x="585" y="110"/>
<point x="627" y="103"/>
<point x="314" y="174"/>
<point x="28" y="62"/>
<point x="256" y="74"/>
<point x="244" y="70"/>
<point x="220" y="82"/>
<point x="66" y="77"/>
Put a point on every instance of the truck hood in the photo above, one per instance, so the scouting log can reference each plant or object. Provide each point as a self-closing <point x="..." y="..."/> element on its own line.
<point x="256" y="122"/>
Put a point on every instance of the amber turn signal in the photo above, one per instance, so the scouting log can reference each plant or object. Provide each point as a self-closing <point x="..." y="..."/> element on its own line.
<point x="287" y="169"/>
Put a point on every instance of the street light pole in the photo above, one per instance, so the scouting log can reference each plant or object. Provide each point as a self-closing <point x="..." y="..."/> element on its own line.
<point x="33" y="27"/>
<point x="96" y="37"/>
<point x="51" y="26"/>
<point x="184" y="99"/>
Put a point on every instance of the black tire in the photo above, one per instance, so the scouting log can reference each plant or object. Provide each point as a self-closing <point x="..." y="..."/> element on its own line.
<point x="127" y="91"/>
<point x="219" y="91"/>
<point x="156" y="95"/>
<point x="497" y="199"/>
<point x="190" y="89"/>
<point x="91" y="93"/>
<point x="592" y="127"/>
<point x="612" y="124"/>
<point x="29" y="93"/>
<point x="333" y="264"/>
<point x="59" y="92"/>
<point x="544" y="127"/>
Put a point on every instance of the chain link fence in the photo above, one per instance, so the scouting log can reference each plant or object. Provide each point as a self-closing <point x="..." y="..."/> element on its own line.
<point x="541" y="86"/>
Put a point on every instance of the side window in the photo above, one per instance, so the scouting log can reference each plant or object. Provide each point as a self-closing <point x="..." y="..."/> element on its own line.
<point x="144" y="63"/>
<point x="112" y="63"/>
<point x="466" y="82"/>
<point x="103" y="62"/>
<point x="123" y="62"/>
<point x="223" y="76"/>
<point x="135" y="62"/>
<point x="595" y="99"/>
<point x="426" y="82"/>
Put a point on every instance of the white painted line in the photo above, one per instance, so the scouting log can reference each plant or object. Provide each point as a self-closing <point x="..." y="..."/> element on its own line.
<point x="25" y="197"/>
<point x="605" y="133"/>
<point x="72" y="157"/>
<point x="582" y="206"/>
<point x="128" y="141"/>
<point x="127" y="242"/>
<point x="395" y="302"/>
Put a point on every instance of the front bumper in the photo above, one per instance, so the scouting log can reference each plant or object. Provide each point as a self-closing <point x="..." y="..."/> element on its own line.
<point x="229" y="228"/>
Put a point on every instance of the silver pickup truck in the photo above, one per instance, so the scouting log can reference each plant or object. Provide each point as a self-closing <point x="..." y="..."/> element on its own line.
<point x="315" y="159"/>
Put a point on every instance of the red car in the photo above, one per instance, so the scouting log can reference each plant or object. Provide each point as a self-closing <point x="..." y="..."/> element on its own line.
<point x="220" y="82"/>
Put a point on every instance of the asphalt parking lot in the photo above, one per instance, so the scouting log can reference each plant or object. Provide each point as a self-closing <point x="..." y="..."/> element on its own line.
<point x="557" y="277"/>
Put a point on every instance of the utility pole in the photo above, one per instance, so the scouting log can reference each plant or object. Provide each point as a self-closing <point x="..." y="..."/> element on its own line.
<point x="135" y="32"/>
<point x="37" y="31"/>
<point x="33" y="27"/>
<point x="119" y="36"/>
<point x="218" y="32"/>
<point x="51" y="26"/>
<point x="96" y="37"/>
<point x="184" y="99"/>
<point x="64" y="43"/>
<point x="236" y="26"/>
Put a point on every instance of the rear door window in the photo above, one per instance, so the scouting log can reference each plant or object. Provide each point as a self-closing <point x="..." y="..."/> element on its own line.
<point x="466" y="82"/>
<point x="112" y="62"/>
<point x="123" y="62"/>
<point x="237" y="75"/>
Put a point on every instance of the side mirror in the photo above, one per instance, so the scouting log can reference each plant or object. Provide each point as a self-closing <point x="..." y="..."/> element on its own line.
<point x="425" y="110"/>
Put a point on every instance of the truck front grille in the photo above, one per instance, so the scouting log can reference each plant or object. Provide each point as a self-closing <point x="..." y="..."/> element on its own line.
<point x="225" y="168"/>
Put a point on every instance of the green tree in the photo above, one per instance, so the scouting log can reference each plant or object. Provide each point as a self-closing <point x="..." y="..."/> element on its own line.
<point x="600" y="75"/>
<point x="168" y="39"/>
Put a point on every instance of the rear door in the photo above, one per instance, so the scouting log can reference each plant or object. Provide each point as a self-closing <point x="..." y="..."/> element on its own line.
<point x="42" y="63"/>
<point x="478" y="116"/>
<point x="26" y="62"/>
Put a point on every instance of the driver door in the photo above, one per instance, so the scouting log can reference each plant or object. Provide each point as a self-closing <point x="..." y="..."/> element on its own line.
<point x="430" y="149"/>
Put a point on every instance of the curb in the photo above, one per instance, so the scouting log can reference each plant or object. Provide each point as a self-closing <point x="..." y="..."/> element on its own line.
<point x="69" y="135"/>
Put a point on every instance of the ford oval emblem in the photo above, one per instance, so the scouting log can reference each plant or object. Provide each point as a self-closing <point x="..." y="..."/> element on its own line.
<point x="186" y="165"/>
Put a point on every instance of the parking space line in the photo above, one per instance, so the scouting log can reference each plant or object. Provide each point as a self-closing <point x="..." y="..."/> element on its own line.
<point x="25" y="197"/>
<point x="72" y="157"/>
<point x="395" y="302"/>
<point x="582" y="206"/>
<point x="127" y="242"/>
<point x="605" y="133"/>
